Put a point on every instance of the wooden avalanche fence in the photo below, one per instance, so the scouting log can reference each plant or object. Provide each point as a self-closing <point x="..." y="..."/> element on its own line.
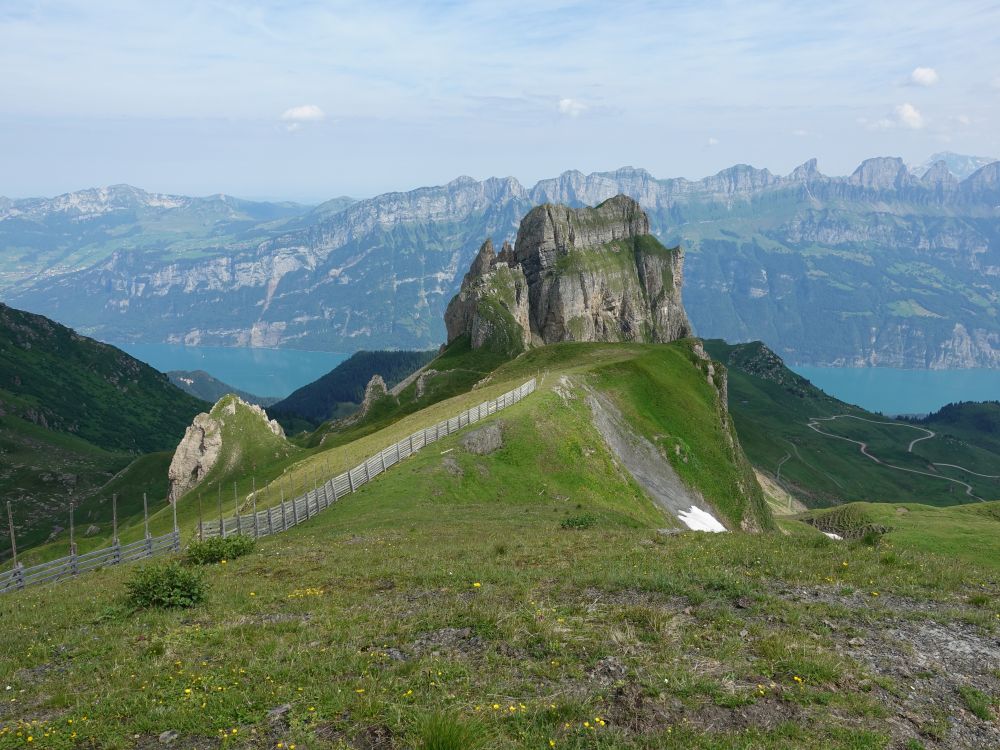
<point x="71" y="565"/>
<point x="292" y="512"/>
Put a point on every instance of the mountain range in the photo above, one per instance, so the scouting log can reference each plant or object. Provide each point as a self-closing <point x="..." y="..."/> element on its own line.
<point x="880" y="267"/>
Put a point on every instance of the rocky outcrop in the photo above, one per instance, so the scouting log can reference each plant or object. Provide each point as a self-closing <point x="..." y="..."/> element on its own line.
<point x="491" y="306"/>
<point x="375" y="391"/>
<point x="587" y="274"/>
<point x="201" y="447"/>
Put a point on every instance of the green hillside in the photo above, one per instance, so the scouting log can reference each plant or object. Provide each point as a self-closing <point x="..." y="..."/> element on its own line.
<point x="527" y="597"/>
<point x="74" y="414"/>
<point x="341" y="390"/>
<point x="206" y="387"/>
<point x="69" y="383"/>
<point x="799" y="435"/>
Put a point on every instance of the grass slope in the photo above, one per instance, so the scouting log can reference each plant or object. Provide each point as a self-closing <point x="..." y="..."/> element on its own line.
<point x="341" y="390"/>
<point x="773" y="407"/>
<point x="56" y="378"/>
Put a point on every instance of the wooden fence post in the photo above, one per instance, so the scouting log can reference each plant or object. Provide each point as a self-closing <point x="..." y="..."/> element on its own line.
<point x="236" y="501"/>
<point x="201" y="522"/>
<point x="222" y="522"/>
<point x="116" y="554"/>
<point x="72" y="541"/>
<point x="177" y="531"/>
<point x="284" y="520"/>
<point x="256" y="534"/>
<point x="145" y="526"/>
<point x="13" y="541"/>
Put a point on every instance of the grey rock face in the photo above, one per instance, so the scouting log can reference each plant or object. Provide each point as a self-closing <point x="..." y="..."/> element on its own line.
<point x="201" y="445"/>
<point x="492" y="304"/>
<point x="586" y="274"/>
<point x="595" y="274"/>
<point x="485" y="440"/>
<point x="195" y="455"/>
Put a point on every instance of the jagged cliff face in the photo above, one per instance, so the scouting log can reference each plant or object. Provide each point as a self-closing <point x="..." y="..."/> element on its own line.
<point x="491" y="306"/>
<point x="588" y="274"/>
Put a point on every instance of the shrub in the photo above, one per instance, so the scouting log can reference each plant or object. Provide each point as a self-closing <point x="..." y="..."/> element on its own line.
<point x="216" y="549"/>
<point x="583" y="521"/>
<point x="166" y="585"/>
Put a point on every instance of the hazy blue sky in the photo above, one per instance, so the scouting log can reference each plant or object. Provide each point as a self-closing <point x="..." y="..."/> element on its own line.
<point x="308" y="100"/>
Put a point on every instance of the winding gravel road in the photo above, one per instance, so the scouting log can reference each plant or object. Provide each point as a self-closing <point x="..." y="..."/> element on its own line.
<point x="814" y="425"/>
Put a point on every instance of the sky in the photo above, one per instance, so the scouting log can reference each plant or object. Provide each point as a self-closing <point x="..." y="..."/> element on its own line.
<point x="310" y="100"/>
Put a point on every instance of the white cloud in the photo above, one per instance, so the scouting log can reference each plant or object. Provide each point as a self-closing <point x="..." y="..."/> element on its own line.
<point x="963" y="119"/>
<point x="571" y="107"/>
<point x="303" y="113"/>
<point x="909" y="116"/>
<point x="800" y="133"/>
<point x="924" y="76"/>
<point x="903" y="116"/>
<point x="712" y="142"/>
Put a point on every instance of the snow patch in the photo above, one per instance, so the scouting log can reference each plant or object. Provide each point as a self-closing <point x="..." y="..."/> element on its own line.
<point x="697" y="519"/>
<point x="838" y="537"/>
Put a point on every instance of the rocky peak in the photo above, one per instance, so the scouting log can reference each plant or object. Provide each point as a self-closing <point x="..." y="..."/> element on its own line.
<point x="882" y="173"/>
<point x="740" y="179"/>
<point x="805" y="172"/>
<point x="985" y="180"/>
<point x="939" y="176"/>
<point x="586" y="274"/>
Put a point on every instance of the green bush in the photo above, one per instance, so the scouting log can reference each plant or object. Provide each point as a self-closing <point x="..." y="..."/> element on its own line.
<point x="166" y="585"/>
<point x="583" y="521"/>
<point x="217" y="548"/>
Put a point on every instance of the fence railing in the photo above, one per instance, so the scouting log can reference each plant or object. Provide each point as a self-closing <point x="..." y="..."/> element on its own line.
<point x="117" y="554"/>
<point x="263" y="523"/>
<point x="292" y="512"/>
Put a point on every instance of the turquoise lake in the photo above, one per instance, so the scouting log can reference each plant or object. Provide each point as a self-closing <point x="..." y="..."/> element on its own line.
<point x="262" y="372"/>
<point x="893" y="391"/>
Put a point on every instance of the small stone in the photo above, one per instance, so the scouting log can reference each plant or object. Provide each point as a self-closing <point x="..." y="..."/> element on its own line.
<point x="744" y="633"/>
<point x="856" y="642"/>
<point x="278" y="713"/>
<point x="169" y="736"/>
<point x="485" y="440"/>
<point x="744" y="602"/>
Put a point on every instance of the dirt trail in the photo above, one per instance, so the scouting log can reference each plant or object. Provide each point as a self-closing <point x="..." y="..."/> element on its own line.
<point x="813" y="424"/>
